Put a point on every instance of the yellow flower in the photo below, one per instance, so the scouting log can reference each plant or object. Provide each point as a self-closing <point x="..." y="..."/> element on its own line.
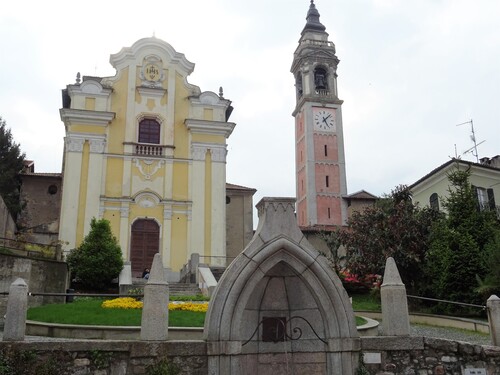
<point x="132" y="303"/>
<point x="122" y="303"/>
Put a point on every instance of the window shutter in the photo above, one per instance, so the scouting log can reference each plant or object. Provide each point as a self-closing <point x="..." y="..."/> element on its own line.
<point x="491" y="199"/>
<point x="476" y="197"/>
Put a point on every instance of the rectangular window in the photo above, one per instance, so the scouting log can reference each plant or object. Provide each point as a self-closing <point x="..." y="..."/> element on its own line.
<point x="329" y="213"/>
<point x="327" y="181"/>
<point x="482" y="198"/>
<point x="326" y="150"/>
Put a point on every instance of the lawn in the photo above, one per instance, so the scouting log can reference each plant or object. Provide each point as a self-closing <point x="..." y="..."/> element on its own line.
<point x="365" y="302"/>
<point x="89" y="312"/>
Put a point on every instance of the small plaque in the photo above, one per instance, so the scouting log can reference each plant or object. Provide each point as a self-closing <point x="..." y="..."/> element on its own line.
<point x="371" y="358"/>
<point x="475" y="371"/>
<point x="273" y="329"/>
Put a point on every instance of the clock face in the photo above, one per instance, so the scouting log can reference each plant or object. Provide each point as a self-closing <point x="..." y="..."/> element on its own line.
<point x="324" y="119"/>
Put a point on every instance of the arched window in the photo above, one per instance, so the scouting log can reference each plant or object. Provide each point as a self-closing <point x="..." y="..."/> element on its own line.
<point x="149" y="131"/>
<point x="320" y="78"/>
<point x="434" y="201"/>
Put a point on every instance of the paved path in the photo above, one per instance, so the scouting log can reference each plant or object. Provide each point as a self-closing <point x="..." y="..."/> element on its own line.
<point x="416" y="330"/>
<point x="450" y="334"/>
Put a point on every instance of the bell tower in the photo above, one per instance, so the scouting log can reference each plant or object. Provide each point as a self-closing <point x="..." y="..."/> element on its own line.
<point x="319" y="141"/>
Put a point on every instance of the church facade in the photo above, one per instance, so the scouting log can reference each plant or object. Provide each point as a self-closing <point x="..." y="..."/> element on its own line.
<point x="146" y="150"/>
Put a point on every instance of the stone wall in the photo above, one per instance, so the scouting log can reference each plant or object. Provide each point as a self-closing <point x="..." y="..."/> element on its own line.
<point x="103" y="357"/>
<point x="7" y="224"/>
<point x="41" y="198"/>
<point x="426" y="356"/>
<point x="409" y="356"/>
<point x="42" y="276"/>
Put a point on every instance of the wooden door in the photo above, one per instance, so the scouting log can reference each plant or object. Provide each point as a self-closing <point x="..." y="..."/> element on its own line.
<point x="144" y="245"/>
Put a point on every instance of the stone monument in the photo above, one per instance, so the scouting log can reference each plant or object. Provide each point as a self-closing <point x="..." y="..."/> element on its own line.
<point x="279" y="307"/>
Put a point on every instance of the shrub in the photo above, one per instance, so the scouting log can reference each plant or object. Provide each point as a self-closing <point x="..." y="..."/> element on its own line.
<point x="98" y="259"/>
<point x="163" y="367"/>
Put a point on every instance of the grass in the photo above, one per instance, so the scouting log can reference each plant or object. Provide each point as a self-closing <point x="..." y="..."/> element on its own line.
<point x="365" y="302"/>
<point x="360" y="321"/>
<point x="89" y="312"/>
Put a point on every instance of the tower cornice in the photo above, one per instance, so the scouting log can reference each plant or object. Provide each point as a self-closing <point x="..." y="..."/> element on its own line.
<point x="320" y="101"/>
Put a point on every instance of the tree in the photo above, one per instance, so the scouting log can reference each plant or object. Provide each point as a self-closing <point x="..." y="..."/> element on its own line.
<point x="98" y="259"/>
<point x="490" y="284"/>
<point x="11" y="164"/>
<point x="394" y="227"/>
<point x="462" y="245"/>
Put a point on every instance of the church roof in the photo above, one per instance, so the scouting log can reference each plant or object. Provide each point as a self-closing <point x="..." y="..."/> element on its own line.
<point x="313" y="23"/>
<point x="450" y="162"/>
<point x="362" y="194"/>
<point x="239" y="187"/>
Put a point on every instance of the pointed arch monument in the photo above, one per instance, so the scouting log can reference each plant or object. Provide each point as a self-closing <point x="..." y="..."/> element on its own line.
<point x="279" y="307"/>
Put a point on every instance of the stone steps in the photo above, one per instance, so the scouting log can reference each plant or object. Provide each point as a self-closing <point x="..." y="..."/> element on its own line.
<point x="176" y="289"/>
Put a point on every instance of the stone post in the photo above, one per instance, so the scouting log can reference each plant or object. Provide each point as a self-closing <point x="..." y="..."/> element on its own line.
<point x="195" y="262"/>
<point x="395" y="318"/>
<point x="154" y="324"/>
<point x="493" y="305"/>
<point x="17" y="306"/>
<point x="125" y="278"/>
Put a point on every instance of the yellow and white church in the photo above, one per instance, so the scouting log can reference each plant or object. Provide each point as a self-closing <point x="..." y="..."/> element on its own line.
<point x="146" y="150"/>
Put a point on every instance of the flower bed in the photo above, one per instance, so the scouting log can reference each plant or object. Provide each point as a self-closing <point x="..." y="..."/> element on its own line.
<point x="132" y="303"/>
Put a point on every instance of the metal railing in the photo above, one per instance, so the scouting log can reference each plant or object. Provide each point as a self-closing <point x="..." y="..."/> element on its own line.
<point x="482" y="307"/>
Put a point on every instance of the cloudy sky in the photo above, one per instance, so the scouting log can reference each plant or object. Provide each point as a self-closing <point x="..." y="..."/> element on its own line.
<point x="410" y="71"/>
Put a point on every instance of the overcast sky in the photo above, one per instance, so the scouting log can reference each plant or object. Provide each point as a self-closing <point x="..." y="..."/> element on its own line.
<point x="409" y="72"/>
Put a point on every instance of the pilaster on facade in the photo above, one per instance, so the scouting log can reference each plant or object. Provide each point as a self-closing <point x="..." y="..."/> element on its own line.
<point x="217" y="151"/>
<point x="73" y="143"/>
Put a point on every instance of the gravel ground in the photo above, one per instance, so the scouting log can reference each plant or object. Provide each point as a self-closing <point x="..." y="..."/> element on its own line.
<point x="450" y="334"/>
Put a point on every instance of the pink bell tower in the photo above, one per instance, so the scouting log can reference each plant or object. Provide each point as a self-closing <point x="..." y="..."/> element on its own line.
<point x="319" y="141"/>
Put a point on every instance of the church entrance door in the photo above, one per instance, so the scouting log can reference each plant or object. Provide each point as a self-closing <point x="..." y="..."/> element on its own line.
<point x="144" y="245"/>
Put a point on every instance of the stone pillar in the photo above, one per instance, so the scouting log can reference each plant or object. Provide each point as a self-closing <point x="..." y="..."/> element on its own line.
<point x="493" y="305"/>
<point x="154" y="324"/>
<point x="195" y="262"/>
<point x="395" y="318"/>
<point x="125" y="278"/>
<point x="17" y="305"/>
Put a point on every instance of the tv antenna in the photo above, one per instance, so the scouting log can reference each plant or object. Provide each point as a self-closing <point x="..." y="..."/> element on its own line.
<point x="473" y="149"/>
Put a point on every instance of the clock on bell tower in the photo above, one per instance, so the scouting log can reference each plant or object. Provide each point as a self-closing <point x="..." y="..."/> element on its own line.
<point x="319" y="142"/>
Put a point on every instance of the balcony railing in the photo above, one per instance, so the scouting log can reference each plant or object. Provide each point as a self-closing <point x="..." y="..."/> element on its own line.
<point x="322" y="92"/>
<point x="149" y="150"/>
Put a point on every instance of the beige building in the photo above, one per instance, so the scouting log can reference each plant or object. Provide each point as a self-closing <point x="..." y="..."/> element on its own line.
<point x="239" y="218"/>
<point x="146" y="150"/>
<point x="484" y="177"/>
<point x="357" y="202"/>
